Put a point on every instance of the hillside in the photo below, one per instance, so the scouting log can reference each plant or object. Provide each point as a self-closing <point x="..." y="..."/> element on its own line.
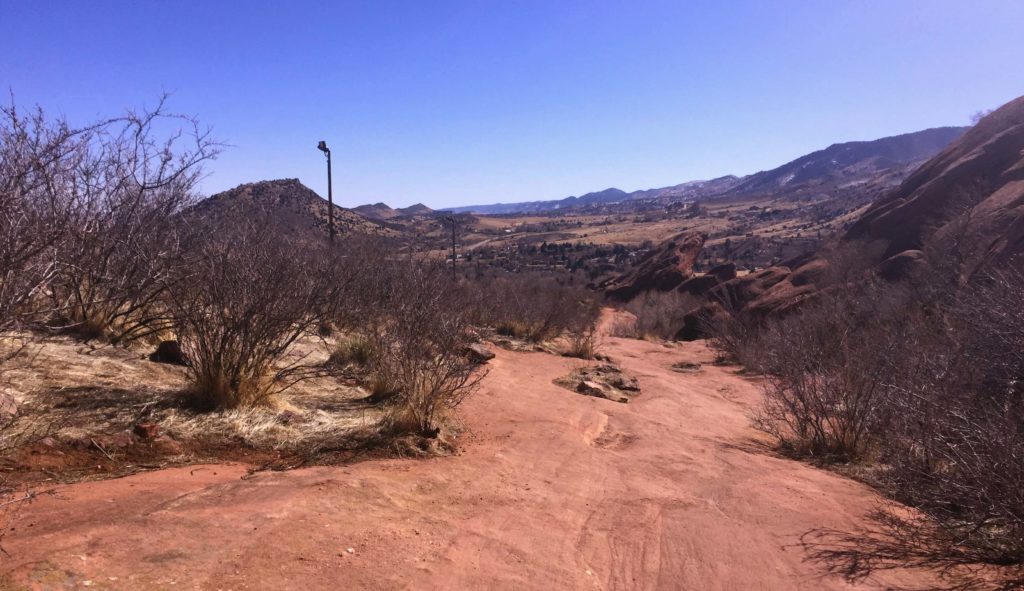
<point x="415" y="209"/>
<point x="376" y="211"/>
<point x="838" y="165"/>
<point x="610" y="195"/>
<point x="975" y="187"/>
<point x="382" y="211"/>
<point x="963" y="209"/>
<point x="853" y="160"/>
<point x="295" y="206"/>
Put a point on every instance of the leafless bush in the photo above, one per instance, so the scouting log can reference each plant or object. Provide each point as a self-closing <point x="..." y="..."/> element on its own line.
<point x="249" y="294"/>
<point x="38" y="160"/>
<point x="956" y="448"/>
<point x="532" y="308"/>
<point x="826" y="372"/>
<point x="660" y="314"/>
<point x="38" y="198"/>
<point x="584" y="342"/>
<point x="582" y="334"/>
<point x="419" y="339"/>
<point x="923" y="380"/>
<point x="733" y="334"/>
<point x="120" y="250"/>
<point x="364" y="279"/>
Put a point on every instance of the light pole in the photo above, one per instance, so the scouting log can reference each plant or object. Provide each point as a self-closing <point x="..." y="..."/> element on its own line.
<point x="322" y="146"/>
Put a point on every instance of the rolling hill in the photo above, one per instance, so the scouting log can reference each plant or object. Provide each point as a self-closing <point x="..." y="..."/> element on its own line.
<point x="382" y="211"/>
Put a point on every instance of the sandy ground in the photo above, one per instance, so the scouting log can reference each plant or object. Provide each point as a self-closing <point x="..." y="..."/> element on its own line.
<point x="552" y="490"/>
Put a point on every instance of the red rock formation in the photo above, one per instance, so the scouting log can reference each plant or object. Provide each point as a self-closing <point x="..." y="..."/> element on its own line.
<point x="972" y="193"/>
<point x="665" y="268"/>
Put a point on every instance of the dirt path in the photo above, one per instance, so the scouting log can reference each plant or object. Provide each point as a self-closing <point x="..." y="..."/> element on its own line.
<point x="553" y="490"/>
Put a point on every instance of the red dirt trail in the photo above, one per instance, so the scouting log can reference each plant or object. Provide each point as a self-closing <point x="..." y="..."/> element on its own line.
<point x="552" y="490"/>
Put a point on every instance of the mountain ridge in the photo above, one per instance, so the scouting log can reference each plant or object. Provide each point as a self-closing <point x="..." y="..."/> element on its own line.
<point x="850" y="161"/>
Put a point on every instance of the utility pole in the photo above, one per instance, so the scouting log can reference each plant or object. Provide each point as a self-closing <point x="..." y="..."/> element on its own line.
<point x="322" y="146"/>
<point x="451" y="219"/>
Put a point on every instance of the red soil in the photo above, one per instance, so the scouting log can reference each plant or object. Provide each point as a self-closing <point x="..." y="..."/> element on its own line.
<point x="553" y="490"/>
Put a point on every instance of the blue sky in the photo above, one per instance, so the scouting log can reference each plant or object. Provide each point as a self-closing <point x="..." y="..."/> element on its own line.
<point x="454" y="103"/>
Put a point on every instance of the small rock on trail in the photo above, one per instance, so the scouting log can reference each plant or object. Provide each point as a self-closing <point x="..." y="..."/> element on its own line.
<point x="601" y="381"/>
<point x="478" y="353"/>
<point x="686" y="367"/>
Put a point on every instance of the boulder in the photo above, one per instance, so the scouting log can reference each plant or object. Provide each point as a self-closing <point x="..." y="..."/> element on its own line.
<point x="477" y="353"/>
<point x="741" y="291"/>
<point x="723" y="272"/>
<point x="902" y="265"/>
<point x="591" y="388"/>
<point x="686" y="367"/>
<point x="809" y="273"/>
<point x="701" y="285"/>
<point x="599" y="390"/>
<point x="169" y="352"/>
<point x="781" y="298"/>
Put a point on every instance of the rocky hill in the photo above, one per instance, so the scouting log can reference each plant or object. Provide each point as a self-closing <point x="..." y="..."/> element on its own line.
<point x="296" y="207"/>
<point x="376" y="211"/>
<point x="417" y="209"/>
<point x="973" y="188"/>
<point x="663" y="268"/>
<point x="962" y="209"/>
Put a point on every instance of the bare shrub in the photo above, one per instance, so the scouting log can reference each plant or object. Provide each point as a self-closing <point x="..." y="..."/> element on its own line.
<point x="120" y="250"/>
<point x="584" y="342"/>
<point x="419" y="338"/>
<point x="250" y="293"/>
<point x="956" y="448"/>
<point x="660" y="315"/>
<point x="733" y="334"/>
<point x="826" y="372"/>
<point x="623" y="325"/>
<point x="38" y="166"/>
<point x="38" y="198"/>
<point x="364" y="278"/>
<point x="922" y="380"/>
<point x="533" y="308"/>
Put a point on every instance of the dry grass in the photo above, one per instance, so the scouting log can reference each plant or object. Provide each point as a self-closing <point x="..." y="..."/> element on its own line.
<point x="584" y="343"/>
<point x="353" y="349"/>
<point x="81" y="392"/>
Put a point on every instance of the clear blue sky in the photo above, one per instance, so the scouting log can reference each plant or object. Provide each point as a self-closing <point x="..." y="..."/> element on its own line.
<point x="453" y="103"/>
